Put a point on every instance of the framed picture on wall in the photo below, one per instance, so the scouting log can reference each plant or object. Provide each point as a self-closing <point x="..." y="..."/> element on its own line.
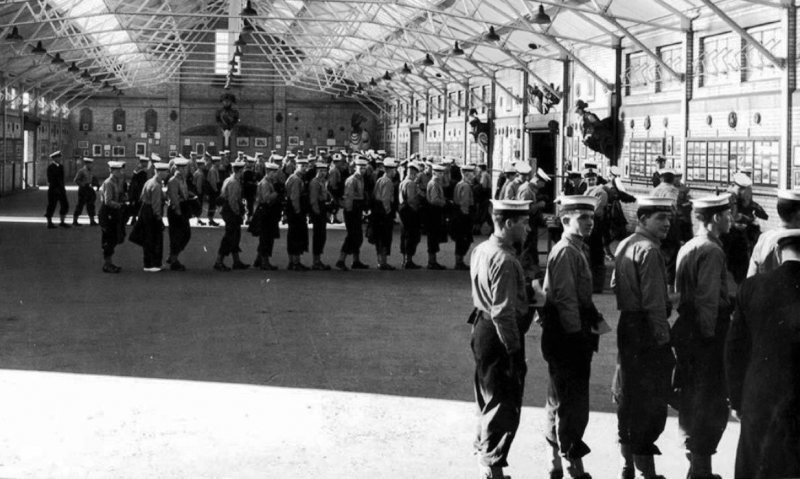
<point x="117" y="151"/>
<point x="294" y="140"/>
<point x="582" y="150"/>
<point x="83" y="145"/>
<point x="107" y="151"/>
<point x="86" y="152"/>
<point x="97" y="150"/>
<point x="796" y="179"/>
<point x="141" y="149"/>
<point x="668" y="147"/>
<point x="260" y="142"/>
<point x="242" y="141"/>
<point x="200" y="149"/>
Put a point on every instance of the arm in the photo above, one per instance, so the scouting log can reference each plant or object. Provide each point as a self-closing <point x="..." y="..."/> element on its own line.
<point x="737" y="350"/>
<point x="348" y="195"/>
<point x="706" y="293"/>
<point x="173" y="194"/>
<point x="293" y="193"/>
<point x="313" y="196"/>
<point x="653" y="285"/>
<point x="107" y="196"/>
<point x="503" y="311"/>
<point x="386" y="196"/>
<point x="563" y="289"/>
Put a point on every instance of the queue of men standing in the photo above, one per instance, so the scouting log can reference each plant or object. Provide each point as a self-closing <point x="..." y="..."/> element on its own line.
<point x="721" y="353"/>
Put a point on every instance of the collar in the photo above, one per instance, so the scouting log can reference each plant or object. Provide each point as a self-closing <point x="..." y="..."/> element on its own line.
<point x="575" y="240"/>
<point x="500" y="242"/>
<point x="647" y="234"/>
<point x="707" y="234"/>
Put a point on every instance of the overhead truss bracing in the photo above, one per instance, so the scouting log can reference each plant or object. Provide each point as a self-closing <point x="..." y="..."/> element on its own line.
<point x="368" y="50"/>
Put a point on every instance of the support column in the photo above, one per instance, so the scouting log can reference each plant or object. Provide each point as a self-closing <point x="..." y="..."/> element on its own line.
<point x="616" y="98"/>
<point x="490" y="116"/>
<point x="566" y="101"/>
<point x="279" y="106"/>
<point x="465" y="112"/>
<point x="523" y="137"/>
<point x="788" y="87"/>
<point x="688" y="89"/>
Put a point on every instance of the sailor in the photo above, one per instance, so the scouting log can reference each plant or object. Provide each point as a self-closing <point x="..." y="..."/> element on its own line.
<point x="319" y="199"/>
<point x="56" y="191"/>
<point x="112" y="223"/>
<point x="384" y="211"/>
<point x="152" y="220"/>
<point x="354" y="204"/>
<point x="296" y="216"/>
<point x="232" y="213"/>
<point x="464" y="209"/>
<point x="766" y="255"/>
<point x="597" y="254"/>
<point x="267" y="217"/>
<point x="434" y="212"/>
<point x="86" y="195"/>
<point x="212" y="187"/>
<point x="178" y="213"/>
<point x="410" y="204"/>
<point x="138" y="179"/>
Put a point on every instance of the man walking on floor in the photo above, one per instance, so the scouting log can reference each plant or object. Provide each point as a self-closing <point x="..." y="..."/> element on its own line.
<point x="56" y="191"/>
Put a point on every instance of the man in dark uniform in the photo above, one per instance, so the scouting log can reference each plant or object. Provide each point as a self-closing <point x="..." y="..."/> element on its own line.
<point x="249" y="183"/>
<point x="569" y="337"/>
<point x="530" y="191"/>
<point x="762" y="362"/>
<point x="671" y="244"/>
<point x="383" y="213"/>
<point x="232" y="212"/>
<point x="434" y="216"/>
<point x="212" y="187"/>
<point x="645" y="360"/>
<point x="336" y="179"/>
<point x="112" y="223"/>
<point x="499" y="323"/>
<point x="765" y="255"/>
<point x="354" y="204"/>
<point x="151" y="217"/>
<point x="410" y="203"/>
<point x="661" y="162"/>
<point x="197" y="187"/>
<point x="178" y="214"/>
<point x="698" y="335"/>
<point x="319" y="198"/>
<point x="296" y="213"/>
<point x="86" y="195"/>
<point x="267" y="217"/>
<point x="464" y="207"/>
<point x="56" y="191"/>
<point x="138" y="179"/>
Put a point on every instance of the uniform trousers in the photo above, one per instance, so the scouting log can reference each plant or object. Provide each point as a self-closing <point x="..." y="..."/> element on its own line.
<point x="383" y="230"/>
<point x="297" y="234"/>
<point x="86" y="197"/>
<point x="112" y="229"/>
<point x="212" y="201"/>
<point x="499" y="388"/>
<point x="569" y="364"/>
<point x="462" y="232"/>
<point x="233" y="232"/>
<point x="319" y="234"/>
<point x="410" y="235"/>
<point x="270" y="229"/>
<point x="434" y="227"/>
<point x="56" y="195"/>
<point x="153" y="244"/>
<point x="642" y="384"/>
<point x="530" y="248"/>
<point x="669" y="247"/>
<point x="355" y="233"/>
<point x="597" y="255"/>
<point x="179" y="232"/>
<point x="699" y="381"/>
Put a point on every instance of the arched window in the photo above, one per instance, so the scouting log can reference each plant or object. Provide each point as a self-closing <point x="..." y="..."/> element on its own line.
<point x="119" y="120"/>
<point x="85" y="123"/>
<point x="150" y="121"/>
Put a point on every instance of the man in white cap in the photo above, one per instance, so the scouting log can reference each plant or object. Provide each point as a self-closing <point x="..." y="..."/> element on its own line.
<point x="745" y="231"/>
<point x="501" y="317"/>
<point x="197" y="186"/>
<point x="139" y="177"/>
<point x="56" y="191"/>
<point x="232" y="214"/>
<point x="645" y="361"/>
<point x="151" y="216"/>
<point x="617" y="221"/>
<point x="320" y="199"/>
<point x="597" y="253"/>
<point x="296" y="216"/>
<point x="112" y="222"/>
<point x="336" y="176"/>
<point x="354" y="203"/>
<point x="762" y="363"/>
<point x="410" y="200"/>
<point x="86" y="195"/>
<point x="507" y="176"/>
<point x="672" y="243"/>
<point x="384" y="210"/>
<point x="511" y="188"/>
<point x="530" y="191"/>
<point x="213" y="185"/>
<point x="569" y="337"/>
<point x="766" y="255"/>
<point x="483" y="193"/>
<point x="464" y="208"/>
<point x="249" y="183"/>
<point x="267" y="217"/>
<point x="178" y="213"/>
<point x="434" y="216"/>
<point x="698" y="335"/>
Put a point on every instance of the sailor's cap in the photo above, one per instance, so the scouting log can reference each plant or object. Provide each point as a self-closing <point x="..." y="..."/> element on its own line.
<point x="160" y="165"/>
<point x="276" y="158"/>
<point x="523" y="168"/>
<point x="87" y="159"/>
<point x="438" y="167"/>
<point x="666" y="171"/>
<point x="155" y="156"/>
<point x="390" y="162"/>
<point x="55" y="154"/>
<point x="301" y="161"/>
<point x="360" y="162"/>
<point x="467" y="167"/>
<point x="789" y="195"/>
<point x="200" y="161"/>
<point x="511" y="205"/>
<point x="116" y="165"/>
<point x="311" y="157"/>
<point x="587" y="172"/>
<point x="542" y="175"/>
<point x="573" y="174"/>
<point x="590" y="165"/>
<point x="337" y="157"/>
<point x="578" y="202"/>
<point x="216" y="158"/>
<point x="250" y="159"/>
<point x="382" y="152"/>
<point x="615" y="170"/>
<point x="712" y="204"/>
<point x="224" y="152"/>
<point x="238" y="164"/>
<point x="509" y="169"/>
<point x="657" y="203"/>
<point x="271" y="166"/>
<point x="143" y="158"/>
<point x="321" y="165"/>
<point x="415" y="165"/>
<point x="741" y="179"/>
<point x="447" y="160"/>
<point x="180" y="162"/>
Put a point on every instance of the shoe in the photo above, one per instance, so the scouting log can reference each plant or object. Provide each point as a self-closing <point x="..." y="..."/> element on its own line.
<point x="240" y="265"/>
<point x="257" y="263"/>
<point x="585" y="475"/>
<point x="320" y="267"/>
<point x="704" y="476"/>
<point x="75" y="223"/>
<point x="436" y="266"/>
<point x="64" y="225"/>
<point x="117" y="269"/>
<point x="110" y="268"/>
<point x="154" y="269"/>
<point x="461" y="267"/>
<point x="51" y="226"/>
<point x="386" y="267"/>
<point x="177" y="266"/>
<point x="212" y="223"/>
<point x="169" y="261"/>
<point x="627" y="472"/>
<point x="340" y="265"/>
<point x="221" y="267"/>
<point x="265" y="266"/>
<point x="200" y="222"/>
<point x="411" y="265"/>
<point x="93" y="223"/>
<point x="557" y="474"/>
<point x="359" y="265"/>
<point x="301" y="267"/>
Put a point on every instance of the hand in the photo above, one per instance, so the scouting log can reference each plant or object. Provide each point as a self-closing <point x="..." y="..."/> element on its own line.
<point x="736" y="415"/>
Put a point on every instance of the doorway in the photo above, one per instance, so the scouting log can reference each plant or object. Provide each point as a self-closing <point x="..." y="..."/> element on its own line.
<point x="28" y="159"/>
<point x="542" y="146"/>
<point x="415" y="134"/>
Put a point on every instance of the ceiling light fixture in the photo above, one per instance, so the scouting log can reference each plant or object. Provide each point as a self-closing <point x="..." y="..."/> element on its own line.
<point x="248" y="10"/>
<point x="428" y="61"/>
<point x="240" y="42"/>
<point x="533" y="46"/>
<point x="39" y="49"/>
<point x="14" y="36"/>
<point x="457" y="50"/>
<point x="233" y="62"/>
<point x="86" y="74"/>
<point x="387" y="76"/>
<point x="57" y="60"/>
<point x="73" y="68"/>
<point x="541" y="18"/>
<point x="406" y="70"/>
<point x="372" y="82"/>
<point x="492" y="36"/>
<point x="237" y="52"/>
